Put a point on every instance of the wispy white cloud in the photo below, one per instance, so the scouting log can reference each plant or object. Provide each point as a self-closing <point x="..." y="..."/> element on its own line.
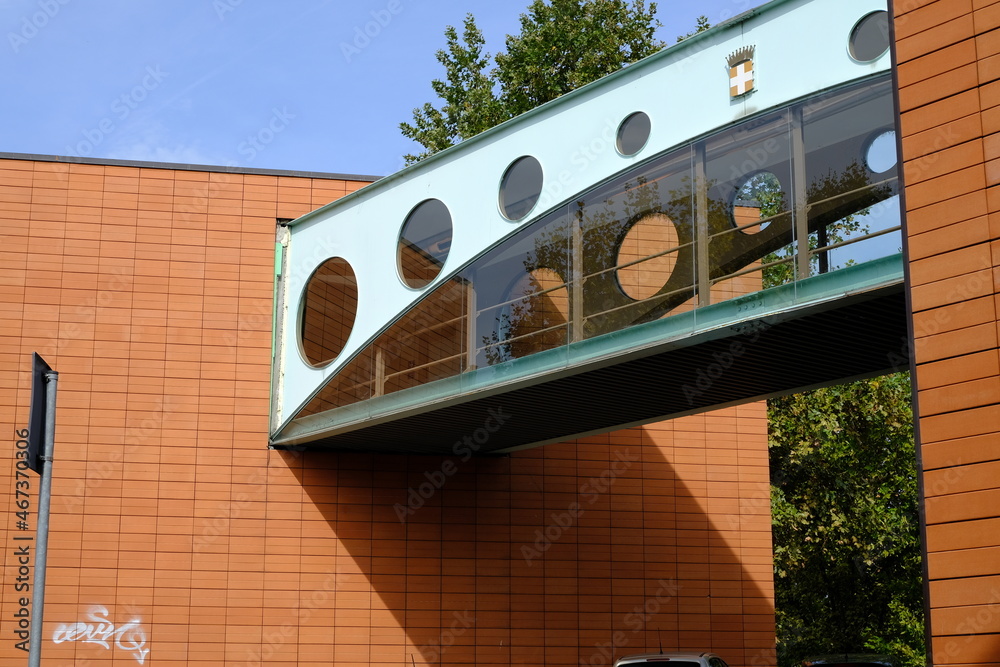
<point x="152" y="141"/>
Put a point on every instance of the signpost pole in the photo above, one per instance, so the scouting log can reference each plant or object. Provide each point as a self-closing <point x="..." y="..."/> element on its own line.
<point x="42" y="534"/>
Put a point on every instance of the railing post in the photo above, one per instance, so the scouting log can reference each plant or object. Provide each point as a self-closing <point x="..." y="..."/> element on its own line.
<point x="470" y="327"/>
<point x="379" y="388"/>
<point x="576" y="284"/>
<point x="800" y="196"/>
<point x="704" y="276"/>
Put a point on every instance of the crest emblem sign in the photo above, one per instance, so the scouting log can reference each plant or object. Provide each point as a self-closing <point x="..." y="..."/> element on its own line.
<point x="741" y="75"/>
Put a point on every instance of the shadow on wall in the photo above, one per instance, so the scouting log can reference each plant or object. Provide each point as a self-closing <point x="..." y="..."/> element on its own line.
<point x="573" y="553"/>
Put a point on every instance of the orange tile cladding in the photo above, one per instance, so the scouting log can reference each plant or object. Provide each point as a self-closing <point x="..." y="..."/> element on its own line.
<point x="947" y="59"/>
<point x="149" y="289"/>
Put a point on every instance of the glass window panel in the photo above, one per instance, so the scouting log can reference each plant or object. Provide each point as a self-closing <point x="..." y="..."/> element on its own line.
<point x="870" y="36"/>
<point x="351" y="384"/>
<point x="748" y="172"/>
<point x="520" y="187"/>
<point x="612" y="261"/>
<point x="851" y="167"/>
<point x="878" y="235"/>
<point x="633" y="133"/>
<point x="536" y="316"/>
<point x="424" y="242"/>
<point x="516" y="301"/>
<point x="328" y="311"/>
<point x="425" y="344"/>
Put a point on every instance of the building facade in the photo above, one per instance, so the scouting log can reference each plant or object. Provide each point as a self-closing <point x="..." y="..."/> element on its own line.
<point x="949" y="91"/>
<point x="178" y="538"/>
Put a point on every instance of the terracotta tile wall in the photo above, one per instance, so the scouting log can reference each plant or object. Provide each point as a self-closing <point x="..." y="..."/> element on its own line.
<point x="150" y="291"/>
<point x="948" y="53"/>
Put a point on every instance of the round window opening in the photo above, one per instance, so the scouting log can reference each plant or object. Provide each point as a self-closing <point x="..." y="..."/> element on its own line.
<point x="759" y="198"/>
<point x="881" y="153"/>
<point x="633" y="133"/>
<point x="647" y="256"/>
<point x="329" y="306"/>
<point x="424" y="242"/>
<point x="520" y="187"/>
<point x="870" y="37"/>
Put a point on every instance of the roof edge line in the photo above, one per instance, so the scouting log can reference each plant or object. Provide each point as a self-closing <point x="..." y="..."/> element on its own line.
<point x="143" y="164"/>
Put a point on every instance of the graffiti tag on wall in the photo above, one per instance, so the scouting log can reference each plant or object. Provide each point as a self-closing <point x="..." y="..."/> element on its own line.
<point x="98" y="629"/>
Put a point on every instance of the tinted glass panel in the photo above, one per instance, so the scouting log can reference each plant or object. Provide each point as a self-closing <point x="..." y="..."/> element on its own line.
<point x="328" y="311"/>
<point x="426" y="344"/>
<point x="870" y="36"/>
<point x="633" y="133"/>
<point x="534" y="316"/>
<point x="521" y="296"/>
<point x="520" y="187"/>
<point x="748" y="170"/>
<point x="848" y="200"/>
<point x="424" y="242"/>
<point x="606" y="218"/>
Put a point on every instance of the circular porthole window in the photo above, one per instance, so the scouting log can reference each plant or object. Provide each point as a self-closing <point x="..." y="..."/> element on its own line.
<point x="644" y="257"/>
<point x="759" y="197"/>
<point x="633" y="133"/>
<point x="881" y="153"/>
<point x="870" y="37"/>
<point x="329" y="306"/>
<point x="424" y="242"/>
<point x="520" y="187"/>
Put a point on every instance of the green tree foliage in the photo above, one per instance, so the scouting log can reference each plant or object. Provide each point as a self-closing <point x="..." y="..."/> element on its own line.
<point x="563" y="44"/>
<point x="847" y="553"/>
<point x="469" y="103"/>
<point x="701" y="25"/>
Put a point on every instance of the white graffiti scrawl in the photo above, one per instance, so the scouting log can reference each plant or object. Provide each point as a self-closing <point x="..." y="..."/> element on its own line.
<point x="129" y="637"/>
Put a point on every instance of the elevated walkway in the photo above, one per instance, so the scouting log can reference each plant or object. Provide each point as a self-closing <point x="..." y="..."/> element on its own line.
<point x="628" y="252"/>
<point x="825" y="329"/>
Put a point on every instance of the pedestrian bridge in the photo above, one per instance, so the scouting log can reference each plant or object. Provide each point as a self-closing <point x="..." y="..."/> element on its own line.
<point x="714" y="224"/>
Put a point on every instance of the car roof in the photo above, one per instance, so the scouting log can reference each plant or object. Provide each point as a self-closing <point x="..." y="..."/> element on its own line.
<point x="674" y="655"/>
<point x="842" y="658"/>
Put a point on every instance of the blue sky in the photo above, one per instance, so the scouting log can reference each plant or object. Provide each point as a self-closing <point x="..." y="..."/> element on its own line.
<point x="293" y="85"/>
